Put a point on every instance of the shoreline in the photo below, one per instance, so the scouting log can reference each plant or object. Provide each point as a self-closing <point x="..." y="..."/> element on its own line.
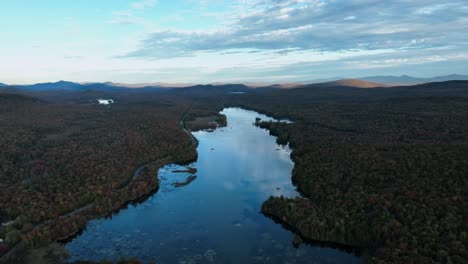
<point x="70" y="237"/>
<point x="304" y="239"/>
<point x="136" y="174"/>
<point x="10" y="254"/>
<point x="352" y="249"/>
<point x="141" y="199"/>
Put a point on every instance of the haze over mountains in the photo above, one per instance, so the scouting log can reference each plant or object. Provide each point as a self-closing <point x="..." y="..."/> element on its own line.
<point x="409" y="80"/>
<point x="151" y="84"/>
<point x="365" y="82"/>
<point x="350" y="83"/>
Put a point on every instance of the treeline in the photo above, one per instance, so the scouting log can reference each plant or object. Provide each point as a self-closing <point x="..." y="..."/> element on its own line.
<point x="385" y="172"/>
<point x="204" y="115"/>
<point x="277" y="129"/>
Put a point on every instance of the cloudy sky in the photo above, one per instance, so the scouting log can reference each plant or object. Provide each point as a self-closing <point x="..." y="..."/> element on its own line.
<point x="180" y="41"/>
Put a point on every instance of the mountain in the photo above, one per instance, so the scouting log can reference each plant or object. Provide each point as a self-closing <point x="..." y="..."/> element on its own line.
<point x="83" y="92"/>
<point x="50" y="86"/>
<point x="350" y="83"/>
<point x="152" y="84"/>
<point x="61" y="86"/>
<point x="103" y="87"/>
<point x="452" y="77"/>
<point x="365" y="82"/>
<point x="355" y="83"/>
<point x="225" y="88"/>
<point x="428" y="91"/>
<point x="410" y="80"/>
<point x="77" y="87"/>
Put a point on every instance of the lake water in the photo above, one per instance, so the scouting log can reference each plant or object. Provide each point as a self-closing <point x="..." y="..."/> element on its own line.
<point x="216" y="218"/>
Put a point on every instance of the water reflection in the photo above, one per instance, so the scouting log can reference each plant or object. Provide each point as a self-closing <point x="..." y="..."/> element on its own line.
<point x="215" y="218"/>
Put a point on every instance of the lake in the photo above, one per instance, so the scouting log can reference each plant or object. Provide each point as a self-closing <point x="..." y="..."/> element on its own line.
<point x="216" y="217"/>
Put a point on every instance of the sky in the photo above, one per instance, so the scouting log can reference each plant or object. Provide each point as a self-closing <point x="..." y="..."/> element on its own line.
<point x="205" y="41"/>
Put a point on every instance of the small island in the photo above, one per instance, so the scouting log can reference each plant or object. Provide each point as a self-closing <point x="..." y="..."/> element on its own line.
<point x="189" y="179"/>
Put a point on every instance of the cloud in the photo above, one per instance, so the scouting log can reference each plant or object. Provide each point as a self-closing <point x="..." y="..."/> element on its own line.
<point x="353" y="67"/>
<point x="318" y="25"/>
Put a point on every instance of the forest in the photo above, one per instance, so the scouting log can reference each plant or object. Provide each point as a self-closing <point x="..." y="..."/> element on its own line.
<point x="64" y="164"/>
<point x="382" y="170"/>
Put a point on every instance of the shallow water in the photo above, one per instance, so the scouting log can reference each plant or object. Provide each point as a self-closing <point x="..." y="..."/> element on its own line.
<point x="216" y="218"/>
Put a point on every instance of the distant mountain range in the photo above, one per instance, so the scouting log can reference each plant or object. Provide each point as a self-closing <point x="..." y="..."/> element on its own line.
<point x="152" y="84"/>
<point x="394" y="80"/>
<point x="365" y="82"/>
<point x="72" y="86"/>
<point x="409" y="80"/>
<point x="335" y="90"/>
<point x="64" y="86"/>
<point x="350" y="83"/>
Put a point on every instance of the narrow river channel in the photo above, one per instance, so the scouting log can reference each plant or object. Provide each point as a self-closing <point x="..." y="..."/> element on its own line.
<point x="216" y="217"/>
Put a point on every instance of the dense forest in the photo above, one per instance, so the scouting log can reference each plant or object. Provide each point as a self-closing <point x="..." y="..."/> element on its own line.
<point x="63" y="164"/>
<point x="381" y="170"/>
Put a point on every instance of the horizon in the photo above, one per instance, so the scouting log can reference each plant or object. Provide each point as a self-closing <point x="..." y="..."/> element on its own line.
<point x="247" y="83"/>
<point x="241" y="41"/>
<point x="234" y="131"/>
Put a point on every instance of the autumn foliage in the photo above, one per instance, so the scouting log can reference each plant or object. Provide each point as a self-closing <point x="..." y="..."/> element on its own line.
<point x="63" y="164"/>
<point x="383" y="171"/>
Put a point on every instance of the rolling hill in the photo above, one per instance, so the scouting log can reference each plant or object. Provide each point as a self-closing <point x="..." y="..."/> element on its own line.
<point x="77" y="87"/>
<point x="8" y="99"/>
<point x="410" y="80"/>
<point x="110" y="87"/>
<point x="350" y="83"/>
